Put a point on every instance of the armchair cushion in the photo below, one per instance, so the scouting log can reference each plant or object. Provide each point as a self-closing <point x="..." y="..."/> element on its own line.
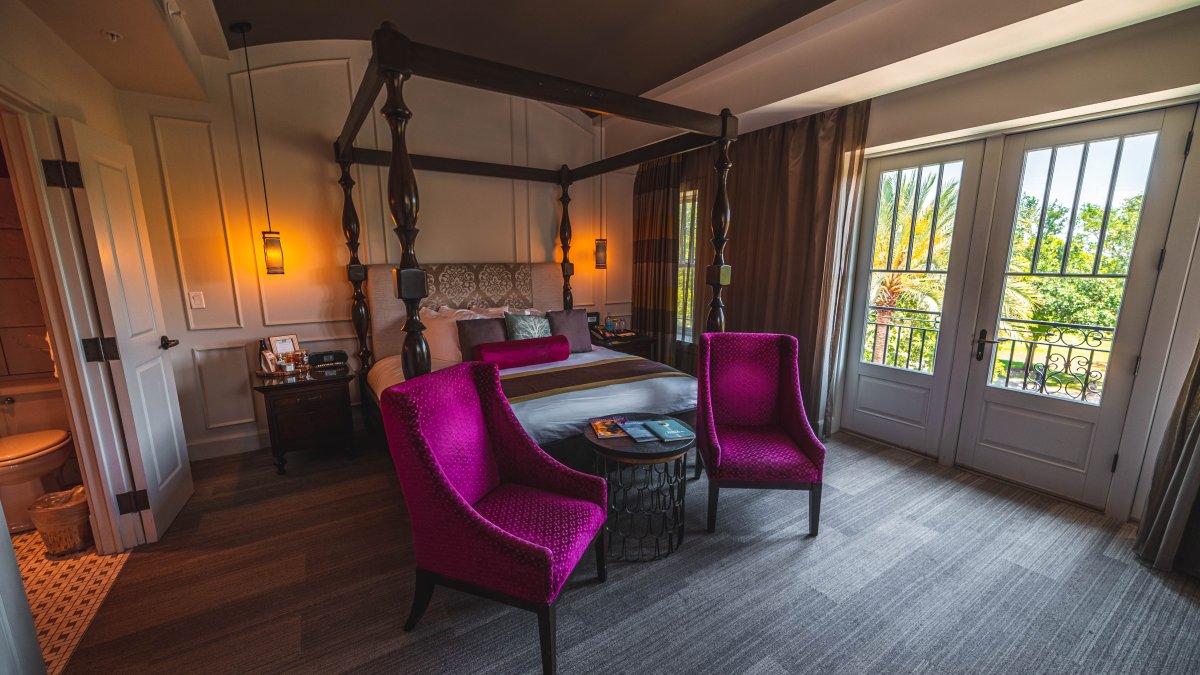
<point x="765" y="453"/>
<point x="560" y="524"/>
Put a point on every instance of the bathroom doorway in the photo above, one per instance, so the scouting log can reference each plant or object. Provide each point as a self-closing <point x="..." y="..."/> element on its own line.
<point x="38" y="455"/>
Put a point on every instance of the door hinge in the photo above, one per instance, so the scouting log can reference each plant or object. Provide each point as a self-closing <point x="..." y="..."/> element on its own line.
<point x="62" y="174"/>
<point x="97" y="350"/>
<point x="133" y="502"/>
<point x="1162" y="257"/>
<point x="1114" y="464"/>
<point x="1137" y="365"/>
<point x="1187" y="146"/>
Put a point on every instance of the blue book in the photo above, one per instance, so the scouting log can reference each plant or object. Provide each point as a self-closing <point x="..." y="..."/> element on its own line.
<point x="638" y="431"/>
<point x="669" y="430"/>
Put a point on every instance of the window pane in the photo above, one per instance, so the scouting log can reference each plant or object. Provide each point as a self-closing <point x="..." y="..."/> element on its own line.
<point x="1058" y="316"/>
<point x="686" y="281"/>
<point x="914" y="225"/>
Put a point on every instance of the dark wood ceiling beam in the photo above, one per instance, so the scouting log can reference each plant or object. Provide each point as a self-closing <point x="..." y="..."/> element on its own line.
<point x="459" y="166"/>
<point x="395" y="51"/>
<point x="664" y="148"/>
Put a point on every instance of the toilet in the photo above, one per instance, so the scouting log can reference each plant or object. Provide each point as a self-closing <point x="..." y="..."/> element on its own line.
<point x="27" y="465"/>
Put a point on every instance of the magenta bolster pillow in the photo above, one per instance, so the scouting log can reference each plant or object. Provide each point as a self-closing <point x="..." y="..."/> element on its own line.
<point x="532" y="351"/>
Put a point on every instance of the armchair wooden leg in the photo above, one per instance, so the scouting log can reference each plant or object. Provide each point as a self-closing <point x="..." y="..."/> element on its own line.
<point x="713" y="491"/>
<point x="601" y="546"/>
<point x="546" y="632"/>
<point x="814" y="509"/>
<point x="421" y="595"/>
<point x="699" y="463"/>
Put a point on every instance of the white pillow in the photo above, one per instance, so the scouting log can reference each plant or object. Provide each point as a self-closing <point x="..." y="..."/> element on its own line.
<point x="441" y="332"/>
<point x="490" y="312"/>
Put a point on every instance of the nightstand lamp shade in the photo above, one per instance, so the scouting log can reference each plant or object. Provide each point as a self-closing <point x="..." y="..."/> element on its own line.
<point x="272" y="252"/>
<point x="601" y="254"/>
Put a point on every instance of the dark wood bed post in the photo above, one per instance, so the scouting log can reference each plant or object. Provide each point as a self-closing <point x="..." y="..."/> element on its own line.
<point x="356" y="272"/>
<point x="564" y="236"/>
<point x="411" y="282"/>
<point x="718" y="273"/>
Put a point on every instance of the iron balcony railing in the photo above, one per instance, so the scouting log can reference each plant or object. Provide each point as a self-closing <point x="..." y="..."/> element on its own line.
<point x="902" y="338"/>
<point x="1065" y="360"/>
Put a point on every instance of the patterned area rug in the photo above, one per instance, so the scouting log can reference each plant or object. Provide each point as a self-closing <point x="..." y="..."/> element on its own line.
<point x="64" y="593"/>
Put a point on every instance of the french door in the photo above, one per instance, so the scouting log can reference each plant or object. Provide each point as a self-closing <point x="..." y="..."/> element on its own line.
<point x="1074" y="249"/>
<point x="909" y="281"/>
<point x="1065" y="258"/>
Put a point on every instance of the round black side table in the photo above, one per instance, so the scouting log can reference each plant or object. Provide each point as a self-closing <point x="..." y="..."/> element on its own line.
<point x="647" y="483"/>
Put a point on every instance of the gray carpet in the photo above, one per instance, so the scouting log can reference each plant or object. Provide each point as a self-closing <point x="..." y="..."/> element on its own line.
<point x="918" y="569"/>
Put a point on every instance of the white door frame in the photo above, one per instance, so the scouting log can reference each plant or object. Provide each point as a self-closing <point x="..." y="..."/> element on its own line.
<point x="61" y="266"/>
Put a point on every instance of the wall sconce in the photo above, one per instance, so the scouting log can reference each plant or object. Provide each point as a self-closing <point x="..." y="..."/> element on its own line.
<point x="272" y="252"/>
<point x="601" y="254"/>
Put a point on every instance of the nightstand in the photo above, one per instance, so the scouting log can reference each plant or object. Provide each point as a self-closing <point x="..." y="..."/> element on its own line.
<point x="638" y="345"/>
<point x="308" y="411"/>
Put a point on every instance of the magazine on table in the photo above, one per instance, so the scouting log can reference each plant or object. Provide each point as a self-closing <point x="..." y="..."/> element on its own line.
<point x="670" y="430"/>
<point x="609" y="427"/>
<point x="638" y="432"/>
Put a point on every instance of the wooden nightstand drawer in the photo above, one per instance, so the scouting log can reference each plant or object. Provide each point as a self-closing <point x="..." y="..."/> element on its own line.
<point x="307" y="401"/>
<point x="308" y="411"/>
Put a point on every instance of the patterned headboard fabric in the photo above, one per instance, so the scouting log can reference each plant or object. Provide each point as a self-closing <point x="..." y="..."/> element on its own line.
<point x="459" y="285"/>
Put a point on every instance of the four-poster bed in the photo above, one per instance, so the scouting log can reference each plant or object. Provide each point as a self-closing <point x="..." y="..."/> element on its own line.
<point x="394" y="60"/>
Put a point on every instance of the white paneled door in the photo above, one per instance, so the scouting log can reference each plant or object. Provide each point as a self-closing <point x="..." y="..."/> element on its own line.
<point x="1075" y="245"/>
<point x="1012" y="327"/>
<point x="911" y="261"/>
<point x="113" y="228"/>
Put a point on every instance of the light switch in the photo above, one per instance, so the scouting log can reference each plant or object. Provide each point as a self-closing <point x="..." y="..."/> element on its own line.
<point x="196" y="299"/>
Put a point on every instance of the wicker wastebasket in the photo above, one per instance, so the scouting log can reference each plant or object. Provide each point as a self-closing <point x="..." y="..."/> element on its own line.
<point x="62" y="520"/>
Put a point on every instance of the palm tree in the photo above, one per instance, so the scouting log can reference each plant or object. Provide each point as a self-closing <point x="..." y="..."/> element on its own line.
<point x="917" y="280"/>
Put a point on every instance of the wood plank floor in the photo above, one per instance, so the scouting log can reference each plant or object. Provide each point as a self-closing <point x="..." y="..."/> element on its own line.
<point x="918" y="568"/>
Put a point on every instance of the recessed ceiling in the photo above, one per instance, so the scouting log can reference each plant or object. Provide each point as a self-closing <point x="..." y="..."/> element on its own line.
<point x="627" y="45"/>
<point x="144" y="29"/>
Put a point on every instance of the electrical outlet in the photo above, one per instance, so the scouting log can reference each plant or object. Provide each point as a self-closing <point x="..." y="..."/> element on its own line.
<point x="196" y="299"/>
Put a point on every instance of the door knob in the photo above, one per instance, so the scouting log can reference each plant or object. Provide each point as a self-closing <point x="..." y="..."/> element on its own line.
<point x="167" y="343"/>
<point x="982" y="340"/>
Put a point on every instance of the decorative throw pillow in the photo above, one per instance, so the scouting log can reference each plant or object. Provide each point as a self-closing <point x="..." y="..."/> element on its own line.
<point x="525" y="352"/>
<point x="475" y="332"/>
<point x="526" y="326"/>
<point x="571" y="323"/>
<point x="441" y="332"/>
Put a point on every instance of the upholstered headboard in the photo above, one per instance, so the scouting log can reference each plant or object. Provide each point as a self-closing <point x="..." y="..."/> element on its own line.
<point x="459" y="285"/>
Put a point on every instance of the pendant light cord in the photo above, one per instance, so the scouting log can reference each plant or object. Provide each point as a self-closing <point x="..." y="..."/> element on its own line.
<point x="257" y="138"/>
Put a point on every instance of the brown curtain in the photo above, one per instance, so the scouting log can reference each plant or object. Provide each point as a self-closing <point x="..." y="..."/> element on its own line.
<point x="656" y="253"/>
<point x="793" y="190"/>
<point x="1169" y="535"/>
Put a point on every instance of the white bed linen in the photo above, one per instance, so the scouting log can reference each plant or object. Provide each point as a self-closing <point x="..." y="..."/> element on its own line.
<point x="552" y="418"/>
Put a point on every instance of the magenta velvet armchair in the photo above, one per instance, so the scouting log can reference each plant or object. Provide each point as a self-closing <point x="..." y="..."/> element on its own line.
<point x="751" y="428"/>
<point x="492" y="514"/>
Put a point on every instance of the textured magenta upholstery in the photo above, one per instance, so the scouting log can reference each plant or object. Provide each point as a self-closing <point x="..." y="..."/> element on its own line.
<point x="750" y="415"/>
<point x="488" y="506"/>
<point x="528" y="352"/>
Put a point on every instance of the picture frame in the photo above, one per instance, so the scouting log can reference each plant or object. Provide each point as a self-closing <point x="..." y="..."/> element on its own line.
<point x="283" y="344"/>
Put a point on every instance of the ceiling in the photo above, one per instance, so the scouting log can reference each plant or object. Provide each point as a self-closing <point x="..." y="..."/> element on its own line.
<point x="144" y="28"/>
<point x="631" y="46"/>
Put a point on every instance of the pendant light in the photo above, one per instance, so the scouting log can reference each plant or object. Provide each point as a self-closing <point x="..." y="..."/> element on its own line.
<point x="272" y="246"/>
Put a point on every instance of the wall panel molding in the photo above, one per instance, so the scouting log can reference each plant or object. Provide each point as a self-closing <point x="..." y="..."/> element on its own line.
<point x="224" y="385"/>
<point x="195" y="203"/>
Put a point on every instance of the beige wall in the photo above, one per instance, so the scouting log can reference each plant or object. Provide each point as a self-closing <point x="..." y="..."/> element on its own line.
<point x="1142" y="64"/>
<point x="204" y="202"/>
